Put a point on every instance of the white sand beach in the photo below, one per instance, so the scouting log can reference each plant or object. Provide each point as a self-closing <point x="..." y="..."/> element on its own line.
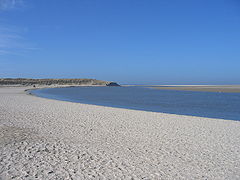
<point x="49" y="139"/>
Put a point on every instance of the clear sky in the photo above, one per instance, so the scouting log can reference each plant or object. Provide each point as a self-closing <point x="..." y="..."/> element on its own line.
<point x="128" y="41"/>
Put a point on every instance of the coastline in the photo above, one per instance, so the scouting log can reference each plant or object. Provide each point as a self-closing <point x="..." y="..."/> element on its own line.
<point x="58" y="139"/>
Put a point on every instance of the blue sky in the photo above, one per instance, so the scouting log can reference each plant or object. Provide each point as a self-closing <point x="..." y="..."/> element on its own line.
<point x="128" y="41"/>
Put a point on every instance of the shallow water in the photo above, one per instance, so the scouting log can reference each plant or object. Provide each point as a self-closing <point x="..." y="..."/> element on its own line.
<point x="204" y="104"/>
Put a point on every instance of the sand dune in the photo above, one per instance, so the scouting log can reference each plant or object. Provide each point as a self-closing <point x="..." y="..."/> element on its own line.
<point x="49" y="139"/>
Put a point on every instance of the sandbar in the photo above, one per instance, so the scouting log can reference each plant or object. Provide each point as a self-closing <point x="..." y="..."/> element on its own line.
<point x="207" y="88"/>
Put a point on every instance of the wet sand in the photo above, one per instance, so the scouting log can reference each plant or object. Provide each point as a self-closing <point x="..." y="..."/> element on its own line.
<point x="49" y="139"/>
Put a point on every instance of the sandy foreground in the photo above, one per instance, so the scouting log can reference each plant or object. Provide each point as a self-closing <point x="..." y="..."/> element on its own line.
<point x="49" y="139"/>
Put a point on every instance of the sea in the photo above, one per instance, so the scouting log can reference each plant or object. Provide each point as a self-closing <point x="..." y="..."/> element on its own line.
<point x="202" y="104"/>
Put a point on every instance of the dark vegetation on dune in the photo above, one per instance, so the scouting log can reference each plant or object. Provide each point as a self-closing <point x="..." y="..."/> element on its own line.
<point x="26" y="82"/>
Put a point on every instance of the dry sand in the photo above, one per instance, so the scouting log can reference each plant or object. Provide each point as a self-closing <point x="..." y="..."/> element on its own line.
<point x="208" y="88"/>
<point x="49" y="139"/>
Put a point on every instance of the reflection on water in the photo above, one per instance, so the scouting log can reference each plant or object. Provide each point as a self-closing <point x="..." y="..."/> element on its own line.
<point x="204" y="104"/>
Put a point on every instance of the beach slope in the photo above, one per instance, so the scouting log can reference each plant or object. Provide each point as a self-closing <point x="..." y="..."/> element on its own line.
<point x="49" y="139"/>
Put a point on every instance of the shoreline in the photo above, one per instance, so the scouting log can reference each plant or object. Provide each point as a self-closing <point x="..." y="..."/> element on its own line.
<point x="29" y="93"/>
<point x="106" y="142"/>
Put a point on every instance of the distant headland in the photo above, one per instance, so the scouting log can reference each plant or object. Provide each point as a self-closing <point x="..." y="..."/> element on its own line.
<point x="49" y="82"/>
